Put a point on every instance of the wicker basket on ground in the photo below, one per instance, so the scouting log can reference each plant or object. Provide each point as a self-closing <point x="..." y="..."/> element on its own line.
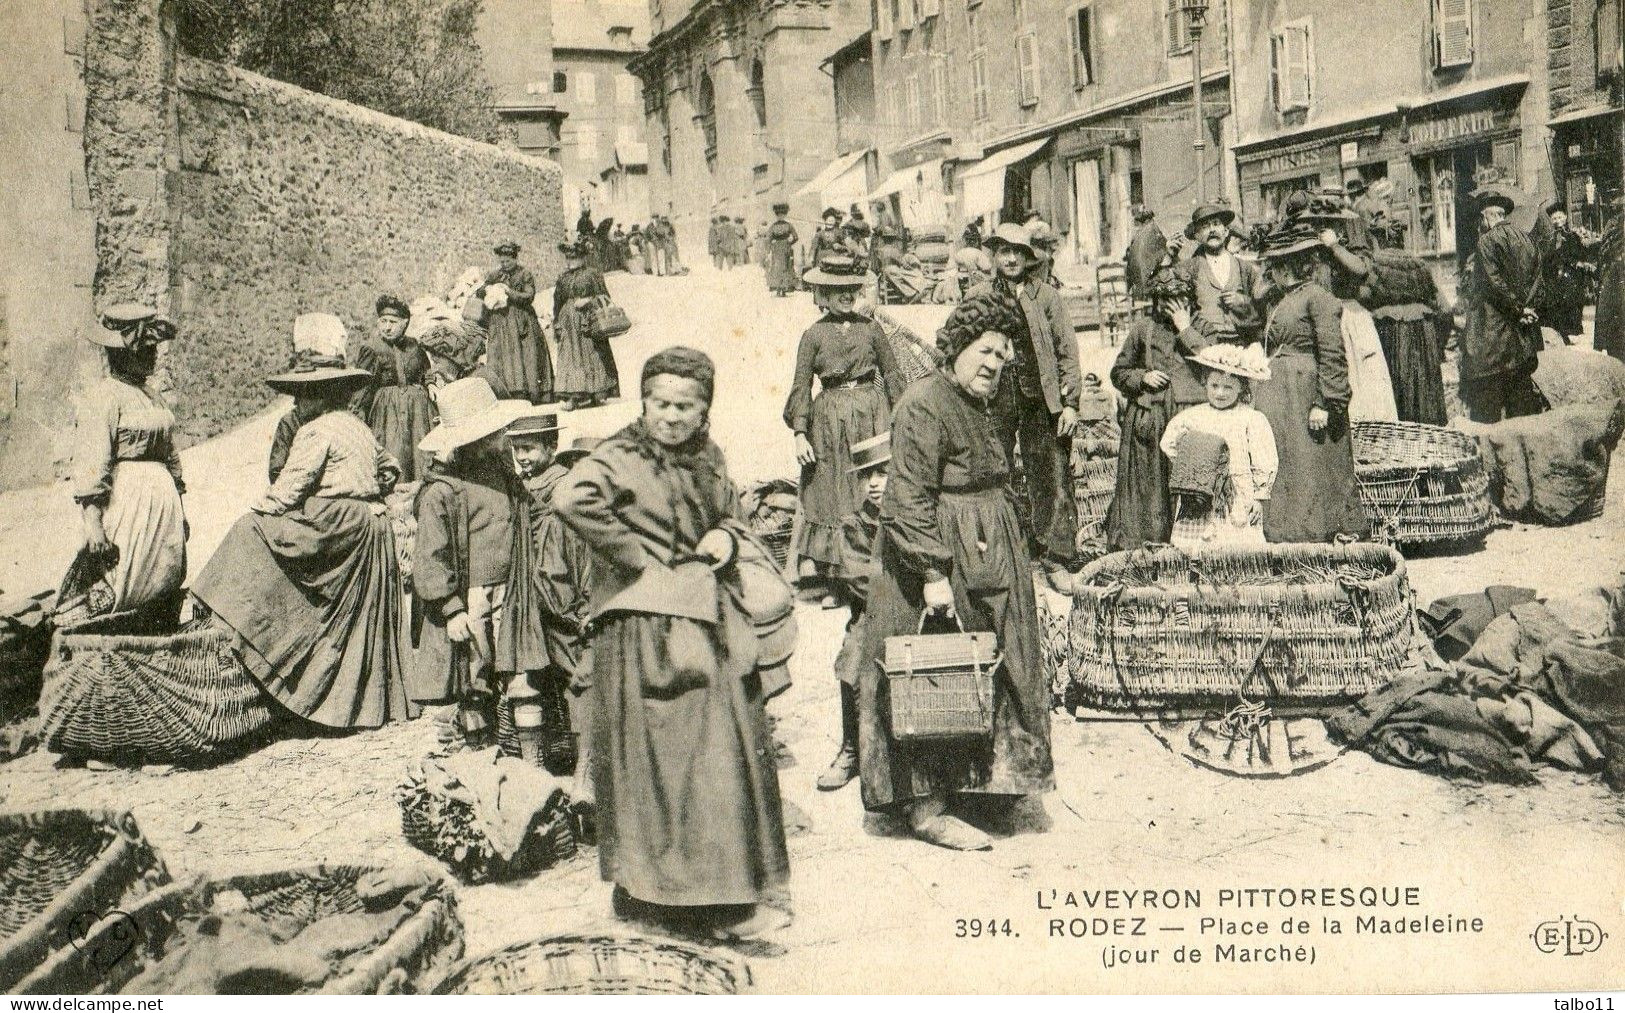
<point x="769" y="508"/>
<point x="600" y="965"/>
<point x="183" y="698"/>
<point x="1421" y="485"/>
<point x="449" y="829"/>
<point x="58" y="866"/>
<point x="409" y="957"/>
<point x="1158" y="627"/>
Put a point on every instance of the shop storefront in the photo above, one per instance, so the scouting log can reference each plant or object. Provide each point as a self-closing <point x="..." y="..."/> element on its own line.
<point x="1588" y="162"/>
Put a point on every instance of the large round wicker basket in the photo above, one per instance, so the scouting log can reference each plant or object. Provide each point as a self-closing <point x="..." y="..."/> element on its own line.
<point x="1421" y="485"/>
<point x="1159" y="627"/>
<point x="183" y="698"/>
<point x="418" y="952"/>
<point x="600" y="965"/>
<point x="56" y="867"/>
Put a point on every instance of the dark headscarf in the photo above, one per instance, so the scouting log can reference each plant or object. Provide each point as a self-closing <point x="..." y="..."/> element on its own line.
<point x="393" y="305"/>
<point x="685" y="362"/>
<point x="993" y="311"/>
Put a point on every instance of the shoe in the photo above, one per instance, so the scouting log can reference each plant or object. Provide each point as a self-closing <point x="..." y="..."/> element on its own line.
<point x="759" y="921"/>
<point x="841" y="770"/>
<point x="952" y="833"/>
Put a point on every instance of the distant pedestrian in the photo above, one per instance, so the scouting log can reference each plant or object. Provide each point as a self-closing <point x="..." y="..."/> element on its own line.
<point x="972" y="236"/>
<point x="521" y="366"/>
<point x="587" y="374"/>
<point x="781" y="252"/>
<point x="1566" y="271"/>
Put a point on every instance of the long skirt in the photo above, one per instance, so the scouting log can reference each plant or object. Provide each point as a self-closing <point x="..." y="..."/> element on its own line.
<point x="1316" y="496"/>
<point x="314" y="598"/>
<point x="1415" y="365"/>
<point x="144" y="521"/>
<point x="688" y="794"/>
<point x="993" y="591"/>
<point x="1140" y="511"/>
<point x="517" y="353"/>
<point x="781" y="267"/>
<point x="1372" y="392"/>
<point x="586" y="363"/>
<point x="400" y="417"/>
<point x="841" y="416"/>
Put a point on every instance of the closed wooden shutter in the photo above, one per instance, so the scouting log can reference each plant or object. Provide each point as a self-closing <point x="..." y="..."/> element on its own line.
<point x="1027" y="68"/>
<point x="1452" y="33"/>
<point x="939" y="91"/>
<point x="1295" y="49"/>
<point x="883" y="18"/>
<point x="1081" y="30"/>
<point x="1179" y="29"/>
<point x="978" y="86"/>
<point x="1610" y="54"/>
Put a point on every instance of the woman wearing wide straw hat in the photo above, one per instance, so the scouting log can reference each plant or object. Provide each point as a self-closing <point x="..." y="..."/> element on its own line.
<point x="1306" y="398"/>
<point x="690" y="823"/>
<point x="587" y="372"/>
<point x="858" y="380"/>
<point x="308" y="580"/>
<point x="781" y="252"/>
<point x="127" y="482"/>
<point x="951" y="542"/>
<point x="517" y="351"/>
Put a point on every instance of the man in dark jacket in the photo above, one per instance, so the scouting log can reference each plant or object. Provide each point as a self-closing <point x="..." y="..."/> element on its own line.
<point x="1145" y="251"/>
<point x="1037" y="402"/>
<point x="1502" y="339"/>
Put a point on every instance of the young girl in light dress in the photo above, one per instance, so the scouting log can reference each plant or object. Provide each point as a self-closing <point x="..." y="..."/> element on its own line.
<point x="1237" y="513"/>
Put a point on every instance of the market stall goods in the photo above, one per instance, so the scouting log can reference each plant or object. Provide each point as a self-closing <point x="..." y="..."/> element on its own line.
<point x="57" y="864"/>
<point x="1305" y="623"/>
<point x="184" y="698"/>
<point x="600" y="965"/>
<point x="1422" y="485"/>
<point x="334" y="929"/>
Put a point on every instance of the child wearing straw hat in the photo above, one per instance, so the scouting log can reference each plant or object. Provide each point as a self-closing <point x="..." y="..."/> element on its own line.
<point x="464" y="553"/>
<point x="859" y="530"/>
<point x="1235" y="515"/>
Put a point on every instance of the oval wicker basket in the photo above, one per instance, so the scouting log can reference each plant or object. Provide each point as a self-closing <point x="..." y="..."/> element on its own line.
<point x="183" y="698"/>
<point x="56" y="867"/>
<point x="422" y="949"/>
<point x="600" y="965"/>
<point x="1158" y="626"/>
<point x="1422" y="485"/>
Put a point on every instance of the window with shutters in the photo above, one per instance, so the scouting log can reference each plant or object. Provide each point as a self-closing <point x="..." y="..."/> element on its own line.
<point x="978" y="86"/>
<point x="1452" y="33"/>
<point x="1027" y="68"/>
<point x="1291" y="60"/>
<point x="561" y="82"/>
<point x="884" y="21"/>
<point x="939" y="91"/>
<point x="1605" y="35"/>
<point x="626" y="89"/>
<point x="911" y="102"/>
<point x="1179" y="28"/>
<point x="587" y="87"/>
<point x="1081" y="27"/>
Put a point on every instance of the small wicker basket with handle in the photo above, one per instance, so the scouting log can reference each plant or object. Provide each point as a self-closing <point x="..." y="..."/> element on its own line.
<point x="941" y="684"/>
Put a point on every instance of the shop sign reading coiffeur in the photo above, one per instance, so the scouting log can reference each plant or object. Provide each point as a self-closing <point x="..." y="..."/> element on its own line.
<point x="1458" y="126"/>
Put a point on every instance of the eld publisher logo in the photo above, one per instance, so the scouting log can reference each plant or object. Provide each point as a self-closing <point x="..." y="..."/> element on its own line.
<point x="1570" y="937"/>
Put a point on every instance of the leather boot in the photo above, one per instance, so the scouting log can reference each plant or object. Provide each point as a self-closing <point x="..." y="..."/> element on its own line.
<point x="845" y="765"/>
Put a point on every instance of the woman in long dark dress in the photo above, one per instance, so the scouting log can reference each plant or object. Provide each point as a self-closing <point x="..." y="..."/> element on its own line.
<point x="1565" y="273"/>
<point x="1152" y="373"/>
<point x="690" y="824"/>
<point x="587" y="374"/>
<point x="516" y="350"/>
<point x="397" y="406"/>
<point x="127" y="482"/>
<point x="1412" y="345"/>
<point x="858" y="380"/>
<point x="951" y="542"/>
<point x="781" y="252"/>
<point x="308" y="579"/>
<point x="1306" y="399"/>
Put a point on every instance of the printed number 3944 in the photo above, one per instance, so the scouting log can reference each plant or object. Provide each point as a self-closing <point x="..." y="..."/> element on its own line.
<point x="977" y="928"/>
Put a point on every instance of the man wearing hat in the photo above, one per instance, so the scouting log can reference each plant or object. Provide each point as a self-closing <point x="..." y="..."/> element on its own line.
<point x="1044" y="242"/>
<point x="1224" y="283"/>
<point x="1502" y="338"/>
<point x="1037" y="403"/>
<point x="1145" y="251"/>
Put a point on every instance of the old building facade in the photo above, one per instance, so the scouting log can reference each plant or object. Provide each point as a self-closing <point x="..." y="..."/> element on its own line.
<point x="1585" y="54"/>
<point x="739" y="113"/>
<point x="516" y="40"/>
<point x="1076" y="109"/>
<point x="593" y="41"/>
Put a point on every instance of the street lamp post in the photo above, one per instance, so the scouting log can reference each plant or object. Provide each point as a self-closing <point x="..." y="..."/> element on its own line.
<point x="1196" y="17"/>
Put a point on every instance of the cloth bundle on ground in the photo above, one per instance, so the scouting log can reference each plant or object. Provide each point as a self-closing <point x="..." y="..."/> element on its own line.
<point x="1569" y="375"/>
<point x="489" y="816"/>
<point x="1533" y="689"/>
<point x="1199" y="472"/>
<point x="233" y="951"/>
<point x="1552" y="468"/>
<point x="1455" y="621"/>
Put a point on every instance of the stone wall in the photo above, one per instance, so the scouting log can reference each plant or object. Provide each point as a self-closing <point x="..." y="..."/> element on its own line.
<point x="289" y="202"/>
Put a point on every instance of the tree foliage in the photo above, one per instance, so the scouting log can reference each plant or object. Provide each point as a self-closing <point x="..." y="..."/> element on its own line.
<point x="416" y="59"/>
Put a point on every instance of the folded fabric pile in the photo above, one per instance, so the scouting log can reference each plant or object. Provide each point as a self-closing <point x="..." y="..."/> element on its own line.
<point x="1552" y="468"/>
<point x="235" y="951"/>
<point x="489" y="817"/>
<point x="1544" y="683"/>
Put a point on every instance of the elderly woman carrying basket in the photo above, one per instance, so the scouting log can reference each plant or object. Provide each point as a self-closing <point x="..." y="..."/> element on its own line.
<point x="951" y="543"/>
<point x="127" y="482"/>
<point x="690" y="824"/>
